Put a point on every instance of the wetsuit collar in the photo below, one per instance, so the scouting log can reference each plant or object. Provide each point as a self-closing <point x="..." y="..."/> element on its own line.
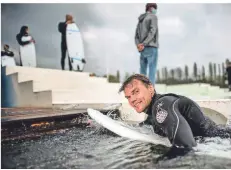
<point x="148" y="110"/>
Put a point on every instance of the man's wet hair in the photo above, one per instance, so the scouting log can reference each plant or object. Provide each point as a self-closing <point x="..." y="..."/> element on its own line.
<point x="140" y="77"/>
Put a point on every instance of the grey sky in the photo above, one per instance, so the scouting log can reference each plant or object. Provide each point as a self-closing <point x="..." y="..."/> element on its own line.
<point x="188" y="33"/>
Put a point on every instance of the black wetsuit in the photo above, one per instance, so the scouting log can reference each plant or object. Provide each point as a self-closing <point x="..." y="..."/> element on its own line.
<point x="181" y="119"/>
<point x="7" y="53"/>
<point x="62" y="29"/>
<point x="228" y="70"/>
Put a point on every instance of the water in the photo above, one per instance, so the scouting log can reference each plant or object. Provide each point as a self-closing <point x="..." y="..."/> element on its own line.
<point x="96" y="147"/>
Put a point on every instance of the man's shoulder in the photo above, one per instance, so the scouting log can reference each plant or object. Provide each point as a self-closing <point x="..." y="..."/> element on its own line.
<point x="61" y="23"/>
<point x="165" y="98"/>
<point x="151" y="16"/>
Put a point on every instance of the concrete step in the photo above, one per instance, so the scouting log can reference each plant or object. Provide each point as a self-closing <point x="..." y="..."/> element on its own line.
<point x="93" y="95"/>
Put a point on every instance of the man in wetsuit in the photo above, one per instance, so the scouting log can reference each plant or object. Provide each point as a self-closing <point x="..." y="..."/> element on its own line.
<point x="62" y="29"/>
<point x="228" y="72"/>
<point x="174" y="116"/>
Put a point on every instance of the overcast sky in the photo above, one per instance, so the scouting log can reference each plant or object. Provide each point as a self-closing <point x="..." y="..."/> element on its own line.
<point x="188" y="33"/>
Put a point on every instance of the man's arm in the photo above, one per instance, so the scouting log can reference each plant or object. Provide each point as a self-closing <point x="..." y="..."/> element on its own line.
<point x="152" y="30"/>
<point x="61" y="27"/>
<point x="137" y="36"/>
<point x="10" y="53"/>
<point x="167" y="117"/>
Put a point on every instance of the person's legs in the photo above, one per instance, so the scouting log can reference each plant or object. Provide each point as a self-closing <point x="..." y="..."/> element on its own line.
<point x="229" y="81"/>
<point x="143" y="62"/>
<point x="70" y="65"/>
<point x="63" y="55"/>
<point x="152" y="63"/>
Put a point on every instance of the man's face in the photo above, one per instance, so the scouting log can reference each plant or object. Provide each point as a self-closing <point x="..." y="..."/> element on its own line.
<point x="139" y="96"/>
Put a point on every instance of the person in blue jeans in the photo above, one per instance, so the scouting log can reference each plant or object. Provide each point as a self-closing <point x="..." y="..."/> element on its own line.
<point x="146" y="39"/>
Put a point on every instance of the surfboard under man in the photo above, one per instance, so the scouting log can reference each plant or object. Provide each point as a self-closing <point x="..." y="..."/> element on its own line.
<point x="174" y="116"/>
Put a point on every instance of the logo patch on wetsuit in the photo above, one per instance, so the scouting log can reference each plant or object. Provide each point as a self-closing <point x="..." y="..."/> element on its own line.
<point x="161" y="113"/>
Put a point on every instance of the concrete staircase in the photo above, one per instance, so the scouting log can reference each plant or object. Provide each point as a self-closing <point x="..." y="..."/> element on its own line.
<point x="38" y="87"/>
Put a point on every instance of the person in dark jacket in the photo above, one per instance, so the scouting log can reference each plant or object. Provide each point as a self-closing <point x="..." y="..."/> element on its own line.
<point x="62" y="29"/>
<point x="174" y="116"/>
<point x="6" y="51"/>
<point x="228" y="72"/>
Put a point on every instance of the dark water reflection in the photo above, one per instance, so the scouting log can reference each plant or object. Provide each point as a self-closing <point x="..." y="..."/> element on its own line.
<point x="88" y="148"/>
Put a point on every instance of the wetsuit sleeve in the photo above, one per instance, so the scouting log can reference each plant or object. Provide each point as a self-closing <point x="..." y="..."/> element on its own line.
<point x="10" y="53"/>
<point x="152" y="30"/>
<point x="2" y="53"/>
<point x="167" y="116"/>
<point x="7" y="53"/>
<point x="61" y="27"/>
<point x="18" y="38"/>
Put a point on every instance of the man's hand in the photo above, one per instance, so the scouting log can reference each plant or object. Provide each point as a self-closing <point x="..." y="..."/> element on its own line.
<point x="69" y="22"/>
<point x="140" y="47"/>
<point x="32" y="40"/>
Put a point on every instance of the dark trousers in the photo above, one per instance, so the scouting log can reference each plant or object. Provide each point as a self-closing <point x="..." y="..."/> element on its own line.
<point x="63" y="51"/>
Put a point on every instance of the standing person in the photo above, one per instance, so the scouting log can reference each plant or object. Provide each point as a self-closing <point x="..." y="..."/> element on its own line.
<point x="146" y="39"/>
<point x="7" y="57"/>
<point x="228" y="72"/>
<point x="62" y="29"/>
<point x="24" y="32"/>
<point x="6" y="51"/>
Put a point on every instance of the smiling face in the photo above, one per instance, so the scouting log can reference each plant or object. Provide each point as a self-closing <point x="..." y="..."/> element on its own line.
<point x="139" y="95"/>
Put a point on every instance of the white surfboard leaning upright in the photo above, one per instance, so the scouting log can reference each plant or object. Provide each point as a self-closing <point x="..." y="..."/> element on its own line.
<point x="75" y="46"/>
<point x="27" y="53"/>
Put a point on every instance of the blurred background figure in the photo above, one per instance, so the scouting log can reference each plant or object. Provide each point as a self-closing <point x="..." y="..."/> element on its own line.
<point x="146" y="39"/>
<point x="7" y="56"/>
<point x="6" y="51"/>
<point x="62" y="29"/>
<point x="228" y="72"/>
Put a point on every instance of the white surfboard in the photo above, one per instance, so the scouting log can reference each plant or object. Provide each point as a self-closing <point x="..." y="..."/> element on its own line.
<point x="216" y="147"/>
<point x="27" y="53"/>
<point x="122" y="130"/>
<point x="75" y="47"/>
<point x="8" y="61"/>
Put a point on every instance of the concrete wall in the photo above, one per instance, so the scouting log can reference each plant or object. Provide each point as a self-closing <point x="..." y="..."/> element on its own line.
<point x="37" y="87"/>
<point x="8" y="96"/>
<point x="20" y="94"/>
